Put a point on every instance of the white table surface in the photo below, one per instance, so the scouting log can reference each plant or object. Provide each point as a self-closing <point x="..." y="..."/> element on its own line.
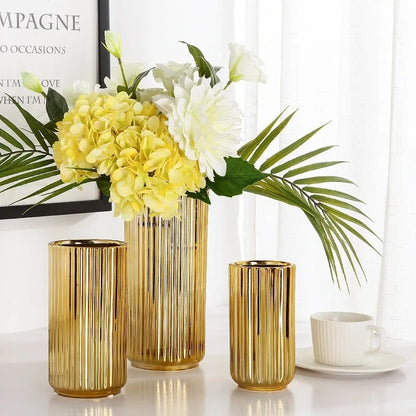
<point x="206" y="390"/>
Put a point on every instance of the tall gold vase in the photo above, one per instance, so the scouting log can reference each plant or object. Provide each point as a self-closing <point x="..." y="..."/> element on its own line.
<point x="87" y="317"/>
<point x="262" y="324"/>
<point x="167" y="288"/>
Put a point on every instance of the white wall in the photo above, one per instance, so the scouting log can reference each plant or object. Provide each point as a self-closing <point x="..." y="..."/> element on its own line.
<point x="150" y="34"/>
<point x="24" y="262"/>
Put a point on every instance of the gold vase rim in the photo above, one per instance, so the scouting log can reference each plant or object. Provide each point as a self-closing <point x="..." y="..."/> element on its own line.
<point x="88" y="243"/>
<point x="262" y="263"/>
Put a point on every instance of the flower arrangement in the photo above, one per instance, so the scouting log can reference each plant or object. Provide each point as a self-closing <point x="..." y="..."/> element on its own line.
<point x="145" y="148"/>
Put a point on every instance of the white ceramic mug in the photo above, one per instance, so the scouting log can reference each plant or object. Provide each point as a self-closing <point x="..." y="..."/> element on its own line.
<point x="344" y="338"/>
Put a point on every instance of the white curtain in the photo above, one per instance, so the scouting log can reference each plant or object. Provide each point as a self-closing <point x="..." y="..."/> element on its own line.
<point x="354" y="63"/>
<point x="349" y="61"/>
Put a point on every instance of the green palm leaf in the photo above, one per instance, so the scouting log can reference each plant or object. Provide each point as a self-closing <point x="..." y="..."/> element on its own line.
<point x="245" y="151"/>
<point x="299" y="159"/>
<point x="269" y="139"/>
<point x="289" y="149"/>
<point x="23" y="161"/>
<point x="334" y="220"/>
<point x="311" y="167"/>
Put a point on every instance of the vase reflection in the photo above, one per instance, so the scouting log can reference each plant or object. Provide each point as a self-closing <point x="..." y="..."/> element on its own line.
<point x="61" y="406"/>
<point x="170" y="394"/>
<point x="252" y="403"/>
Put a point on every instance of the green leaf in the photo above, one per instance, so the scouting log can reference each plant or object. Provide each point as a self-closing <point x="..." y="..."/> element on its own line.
<point x="41" y="190"/>
<point x="16" y="160"/>
<point x="27" y="174"/>
<point x="51" y="125"/>
<point x="339" y="214"/>
<point x="34" y="125"/>
<point x="24" y="168"/>
<point x="269" y="139"/>
<point x="289" y="149"/>
<point x="326" y="245"/>
<point x="341" y="235"/>
<point x="202" y="195"/>
<point x="353" y="231"/>
<point x="311" y="167"/>
<point x="246" y="150"/>
<point x="239" y="174"/>
<point x="56" y="105"/>
<point x="332" y="192"/>
<point x="104" y="184"/>
<point x="5" y="148"/>
<point x="322" y="179"/>
<point x="137" y="80"/>
<point x="17" y="131"/>
<point x="58" y="192"/>
<point x="300" y="159"/>
<point x="205" y="69"/>
<point x="211" y="71"/>
<point x="32" y="177"/>
<point x="10" y="139"/>
<point x="338" y="203"/>
<point x="122" y="88"/>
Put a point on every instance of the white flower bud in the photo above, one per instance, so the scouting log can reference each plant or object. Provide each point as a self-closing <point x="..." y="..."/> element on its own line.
<point x="244" y="65"/>
<point x="113" y="43"/>
<point x="31" y="82"/>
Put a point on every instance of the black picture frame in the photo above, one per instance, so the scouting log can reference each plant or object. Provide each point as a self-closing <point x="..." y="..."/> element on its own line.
<point x="73" y="207"/>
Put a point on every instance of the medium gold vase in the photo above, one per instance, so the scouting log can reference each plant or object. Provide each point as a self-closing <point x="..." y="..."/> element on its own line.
<point x="262" y="324"/>
<point x="167" y="288"/>
<point x="87" y="317"/>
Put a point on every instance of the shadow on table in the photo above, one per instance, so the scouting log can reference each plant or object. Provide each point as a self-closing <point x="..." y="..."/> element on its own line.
<point x="250" y="403"/>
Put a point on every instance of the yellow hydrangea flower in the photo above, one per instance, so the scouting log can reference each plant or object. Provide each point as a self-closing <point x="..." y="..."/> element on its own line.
<point x="130" y="142"/>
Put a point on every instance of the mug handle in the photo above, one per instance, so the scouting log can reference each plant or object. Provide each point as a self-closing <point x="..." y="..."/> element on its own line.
<point x="377" y="332"/>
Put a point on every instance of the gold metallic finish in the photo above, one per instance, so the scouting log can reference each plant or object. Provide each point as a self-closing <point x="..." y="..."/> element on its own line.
<point x="262" y="324"/>
<point x="87" y="317"/>
<point x="167" y="287"/>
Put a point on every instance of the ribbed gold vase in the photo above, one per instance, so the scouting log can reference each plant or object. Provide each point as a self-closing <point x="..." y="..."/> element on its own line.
<point x="262" y="324"/>
<point x="167" y="288"/>
<point x="87" y="317"/>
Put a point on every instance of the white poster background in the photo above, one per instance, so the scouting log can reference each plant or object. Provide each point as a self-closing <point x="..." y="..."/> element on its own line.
<point x="57" y="41"/>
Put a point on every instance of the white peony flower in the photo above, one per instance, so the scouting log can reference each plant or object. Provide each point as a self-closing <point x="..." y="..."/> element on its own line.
<point x="131" y="70"/>
<point x="171" y="72"/>
<point x="204" y="121"/>
<point x="244" y="65"/>
<point x="78" y="88"/>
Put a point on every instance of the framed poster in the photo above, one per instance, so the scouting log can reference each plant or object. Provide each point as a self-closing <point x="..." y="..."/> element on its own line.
<point x="60" y="42"/>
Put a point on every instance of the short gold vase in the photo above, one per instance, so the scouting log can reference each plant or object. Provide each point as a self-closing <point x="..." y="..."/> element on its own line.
<point x="87" y="317"/>
<point x="262" y="324"/>
<point x="167" y="288"/>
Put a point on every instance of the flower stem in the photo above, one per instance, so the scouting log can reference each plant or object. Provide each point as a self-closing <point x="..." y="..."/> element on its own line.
<point x="122" y="72"/>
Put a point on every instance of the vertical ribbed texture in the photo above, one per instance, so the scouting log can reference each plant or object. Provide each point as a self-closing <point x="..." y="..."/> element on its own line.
<point x="166" y="288"/>
<point x="262" y="324"/>
<point x="87" y="317"/>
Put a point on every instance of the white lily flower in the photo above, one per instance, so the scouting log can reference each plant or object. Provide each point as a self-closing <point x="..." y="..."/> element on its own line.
<point x="244" y="65"/>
